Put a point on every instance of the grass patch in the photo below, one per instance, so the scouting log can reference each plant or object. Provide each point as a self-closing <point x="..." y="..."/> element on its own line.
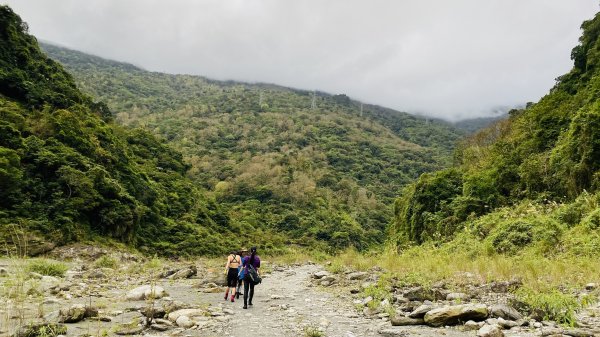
<point x="550" y="305"/>
<point x="106" y="261"/>
<point x="47" y="267"/>
<point x="311" y="331"/>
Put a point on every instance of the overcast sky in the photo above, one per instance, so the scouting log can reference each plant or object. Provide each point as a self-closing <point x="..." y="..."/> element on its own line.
<point x="449" y="59"/>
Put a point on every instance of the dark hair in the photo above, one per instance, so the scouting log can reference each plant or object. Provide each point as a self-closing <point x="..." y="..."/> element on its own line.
<point x="253" y="253"/>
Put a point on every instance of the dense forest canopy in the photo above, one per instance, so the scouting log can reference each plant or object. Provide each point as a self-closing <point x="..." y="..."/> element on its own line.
<point x="67" y="172"/>
<point x="322" y="169"/>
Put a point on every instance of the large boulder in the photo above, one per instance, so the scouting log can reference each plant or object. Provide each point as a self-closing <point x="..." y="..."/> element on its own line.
<point x="455" y="314"/>
<point x="421" y="311"/>
<point x="146" y="292"/>
<point x="216" y="278"/>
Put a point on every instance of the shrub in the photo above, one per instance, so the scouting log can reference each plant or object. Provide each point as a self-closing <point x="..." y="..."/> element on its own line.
<point x="550" y="305"/>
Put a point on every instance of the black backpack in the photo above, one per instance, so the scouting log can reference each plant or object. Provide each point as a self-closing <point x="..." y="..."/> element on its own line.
<point x="252" y="275"/>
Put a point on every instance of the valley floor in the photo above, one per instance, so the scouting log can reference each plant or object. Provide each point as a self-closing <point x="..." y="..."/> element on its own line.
<point x="289" y="302"/>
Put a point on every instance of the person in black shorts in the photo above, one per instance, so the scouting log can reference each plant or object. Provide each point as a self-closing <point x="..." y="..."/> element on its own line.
<point x="231" y="270"/>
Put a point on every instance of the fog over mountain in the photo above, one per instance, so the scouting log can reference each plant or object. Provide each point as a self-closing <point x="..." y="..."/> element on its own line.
<point x="448" y="59"/>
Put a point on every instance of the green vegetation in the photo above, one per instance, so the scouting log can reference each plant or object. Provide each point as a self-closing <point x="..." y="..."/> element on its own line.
<point x="68" y="173"/>
<point x="47" y="267"/>
<point x="546" y="154"/>
<point x="321" y="177"/>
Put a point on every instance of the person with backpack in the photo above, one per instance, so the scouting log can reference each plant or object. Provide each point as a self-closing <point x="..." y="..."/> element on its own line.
<point x="240" y="282"/>
<point x="231" y="270"/>
<point x="250" y="270"/>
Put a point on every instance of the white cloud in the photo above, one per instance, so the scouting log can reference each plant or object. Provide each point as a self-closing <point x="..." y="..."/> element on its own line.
<point x="448" y="59"/>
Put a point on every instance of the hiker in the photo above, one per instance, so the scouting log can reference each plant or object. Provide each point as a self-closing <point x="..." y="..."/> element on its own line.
<point x="249" y="265"/>
<point x="243" y="252"/>
<point x="231" y="270"/>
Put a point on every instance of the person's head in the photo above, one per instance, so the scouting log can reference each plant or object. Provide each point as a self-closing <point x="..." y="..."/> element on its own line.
<point x="233" y="252"/>
<point x="244" y="252"/>
<point x="252" y="253"/>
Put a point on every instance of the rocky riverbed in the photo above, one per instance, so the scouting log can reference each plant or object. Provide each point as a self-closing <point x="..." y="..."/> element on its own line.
<point x="141" y="297"/>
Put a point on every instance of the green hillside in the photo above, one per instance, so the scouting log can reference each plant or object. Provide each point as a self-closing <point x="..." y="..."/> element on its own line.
<point x="67" y="172"/>
<point x="323" y="173"/>
<point x="530" y="181"/>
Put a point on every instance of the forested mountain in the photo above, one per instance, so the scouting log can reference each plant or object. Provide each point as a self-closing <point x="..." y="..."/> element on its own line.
<point x="320" y="168"/>
<point x="67" y="172"/>
<point x="530" y="180"/>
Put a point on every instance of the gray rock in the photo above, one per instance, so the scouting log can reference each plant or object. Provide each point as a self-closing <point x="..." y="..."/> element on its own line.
<point x="549" y="331"/>
<point x="456" y="296"/>
<point x="507" y="324"/>
<point x="96" y="274"/>
<point x="421" y="311"/>
<point x="184" y="322"/>
<point x="359" y="275"/>
<point x="371" y="311"/>
<point x="578" y="332"/>
<point x="146" y="292"/>
<point x="126" y="331"/>
<point x="153" y="312"/>
<point x="325" y="283"/>
<point x="506" y="312"/>
<point x="472" y="325"/>
<point x="588" y="287"/>
<point x="159" y="327"/>
<point x="454" y="314"/>
<point x="418" y="294"/>
<point x="329" y="278"/>
<point x="173" y="316"/>
<point x="73" y="314"/>
<point x="184" y="273"/>
<point x="490" y="331"/>
<point x="393" y="332"/>
<point x="400" y="320"/>
<point x="3" y="272"/>
<point x="320" y="274"/>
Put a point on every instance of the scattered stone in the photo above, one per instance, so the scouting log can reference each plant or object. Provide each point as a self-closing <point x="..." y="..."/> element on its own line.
<point x="184" y="273"/>
<point x="74" y="314"/>
<point x="400" y="320"/>
<point x="325" y="283"/>
<point x="440" y="294"/>
<point x="456" y="296"/>
<point x="506" y="324"/>
<point x="155" y="312"/>
<point x="588" y="287"/>
<point x="171" y="306"/>
<point x="490" y="331"/>
<point x="500" y="287"/>
<point x="578" y="333"/>
<point x="418" y="294"/>
<point x="184" y="322"/>
<point x="163" y="321"/>
<point x="421" y="311"/>
<point x="3" y="272"/>
<point x="126" y="331"/>
<point x="43" y="329"/>
<point x="320" y="274"/>
<point x="367" y="300"/>
<point x="146" y="292"/>
<point x="394" y="332"/>
<point x="96" y="274"/>
<point x="173" y="316"/>
<point x="550" y="331"/>
<point x="472" y="325"/>
<point x="369" y="312"/>
<point x="454" y="314"/>
<point x="159" y="327"/>
<point x="359" y="275"/>
<point x="506" y="312"/>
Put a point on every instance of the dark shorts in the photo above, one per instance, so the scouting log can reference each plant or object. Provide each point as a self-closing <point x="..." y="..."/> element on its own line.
<point x="232" y="277"/>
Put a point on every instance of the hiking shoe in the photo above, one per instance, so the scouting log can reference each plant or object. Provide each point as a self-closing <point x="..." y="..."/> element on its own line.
<point x="245" y="307"/>
<point x="232" y="298"/>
